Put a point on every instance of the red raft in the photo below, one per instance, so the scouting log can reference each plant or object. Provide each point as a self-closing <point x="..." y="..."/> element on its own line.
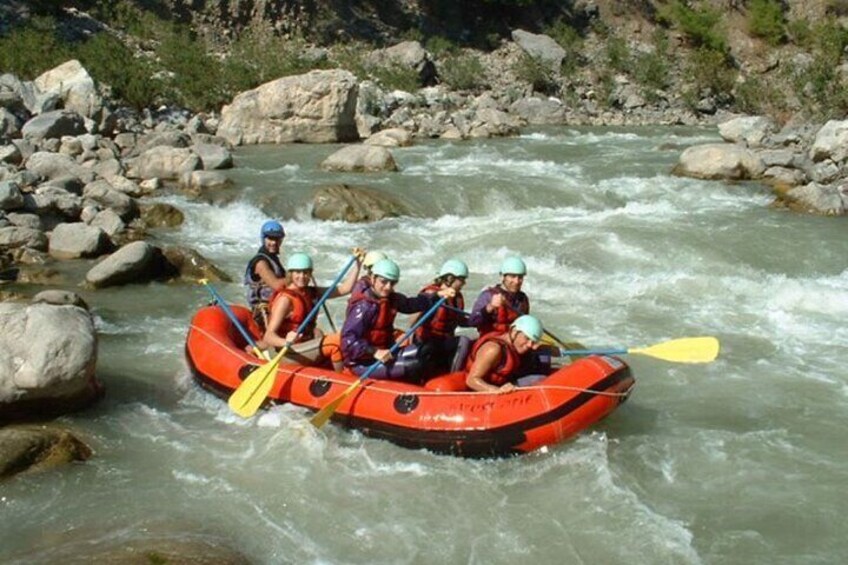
<point x="437" y="417"/>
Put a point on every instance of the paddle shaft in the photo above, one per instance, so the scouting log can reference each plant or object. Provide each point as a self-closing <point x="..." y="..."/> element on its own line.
<point x="231" y="315"/>
<point x="327" y="312"/>
<point x="321" y="417"/>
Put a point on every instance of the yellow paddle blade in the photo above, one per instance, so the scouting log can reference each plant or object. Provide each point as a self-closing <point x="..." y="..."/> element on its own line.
<point x="321" y="417"/>
<point x="683" y="350"/>
<point x="251" y="393"/>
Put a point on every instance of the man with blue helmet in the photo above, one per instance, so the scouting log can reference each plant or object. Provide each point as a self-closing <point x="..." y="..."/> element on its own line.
<point x="265" y="273"/>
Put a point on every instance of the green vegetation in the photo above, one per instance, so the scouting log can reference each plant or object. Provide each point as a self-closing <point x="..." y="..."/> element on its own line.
<point x="765" y="20"/>
<point x="708" y="74"/>
<point x="463" y="72"/>
<point x="820" y="87"/>
<point x="540" y="77"/>
<point x="701" y="25"/>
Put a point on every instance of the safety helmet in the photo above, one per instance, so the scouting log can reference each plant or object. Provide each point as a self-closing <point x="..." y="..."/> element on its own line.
<point x="273" y="228"/>
<point x="299" y="262"/>
<point x="387" y="269"/>
<point x="529" y="326"/>
<point x="454" y="267"/>
<point x="513" y="266"/>
<point x="373" y="257"/>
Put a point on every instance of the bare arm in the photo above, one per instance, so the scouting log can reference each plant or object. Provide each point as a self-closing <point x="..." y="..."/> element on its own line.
<point x="487" y="359"/>
<point x="264" y="271"/>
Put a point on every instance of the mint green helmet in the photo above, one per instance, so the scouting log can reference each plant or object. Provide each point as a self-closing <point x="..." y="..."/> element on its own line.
<point x="299" y="262"/>
<point x="373" y="257"/>
<point x="513" y="266"/>
<point x="387" y="269"/>
<point x="454" y="267"/>
<point x="529" y="326"/>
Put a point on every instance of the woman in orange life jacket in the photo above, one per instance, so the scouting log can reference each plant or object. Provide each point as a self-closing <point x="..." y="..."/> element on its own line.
<point x="445" y="351"/>
<point x="290" y="306"/>
<point x="368" y="330"/>
<point x="495" y="361"/>
<point x="265" y="274"/>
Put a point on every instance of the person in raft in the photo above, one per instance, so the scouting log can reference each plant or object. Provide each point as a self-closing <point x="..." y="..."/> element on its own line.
<point x="368" y="330"/>
<point x="265" y="274"/>
<point x="445" y="350"/>
<point x="496" y="358"/>
<point x="364" y="282"/>
<point x="498" y="306"/>
<point x="290" y="306"/>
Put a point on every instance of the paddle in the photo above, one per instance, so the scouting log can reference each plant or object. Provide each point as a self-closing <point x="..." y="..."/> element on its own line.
<point x="682" y="350"/>
<point x="327" y="312"/>
<point x="233" y="319"/>
<point x="320" y="418"/>
<point x="556" y="340"/>
<point x="251" y="393"/>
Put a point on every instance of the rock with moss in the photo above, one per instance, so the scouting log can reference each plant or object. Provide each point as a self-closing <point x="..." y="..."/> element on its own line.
<point x="38" y="448"/>
<point x="354" y="204"/>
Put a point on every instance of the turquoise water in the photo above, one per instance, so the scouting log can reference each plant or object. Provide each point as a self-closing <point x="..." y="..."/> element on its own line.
<point x="738" y="461"/>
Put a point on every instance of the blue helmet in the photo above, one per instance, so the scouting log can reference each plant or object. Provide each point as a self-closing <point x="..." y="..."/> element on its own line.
<point x="272" y="228"/>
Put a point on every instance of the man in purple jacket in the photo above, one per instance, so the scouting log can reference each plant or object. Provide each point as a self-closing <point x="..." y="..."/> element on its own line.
<point x="368" y="331"/>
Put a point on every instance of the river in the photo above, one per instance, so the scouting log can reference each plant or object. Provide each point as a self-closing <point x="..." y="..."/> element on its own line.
<point x="736" y="461"/>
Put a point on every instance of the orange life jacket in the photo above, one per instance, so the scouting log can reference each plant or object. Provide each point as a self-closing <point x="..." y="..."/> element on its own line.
<point x="381" y="335"/>
<point x="510" y="359"/>
<point x="444" y="322"/>
<point x="302" y="301"/>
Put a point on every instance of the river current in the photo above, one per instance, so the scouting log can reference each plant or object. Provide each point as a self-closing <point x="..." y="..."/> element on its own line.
<point x="743" y="460"/>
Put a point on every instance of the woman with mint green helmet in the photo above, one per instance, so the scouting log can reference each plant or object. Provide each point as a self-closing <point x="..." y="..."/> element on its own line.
<point x="498" y="360"/>
<point x="368" y="333"/>
<point x="437" y="337"/>
<point x="291" y="305"/>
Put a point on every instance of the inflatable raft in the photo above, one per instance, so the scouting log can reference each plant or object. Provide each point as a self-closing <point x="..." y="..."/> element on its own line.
<point x="441" y="416"/>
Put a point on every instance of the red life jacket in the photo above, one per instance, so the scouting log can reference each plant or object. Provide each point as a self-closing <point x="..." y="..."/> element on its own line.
<point x="382" y="334"/>
<point x="445" y="321"/>
<point x="504" y="316"/>
<point x="302" y="301"/>
<point x="510" y="359"/>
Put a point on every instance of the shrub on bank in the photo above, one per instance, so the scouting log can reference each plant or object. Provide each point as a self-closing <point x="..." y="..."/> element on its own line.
<point x="765" y="20"/>
<point x="463" y="72"/>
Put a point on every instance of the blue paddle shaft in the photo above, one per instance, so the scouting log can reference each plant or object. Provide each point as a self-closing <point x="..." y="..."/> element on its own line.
<point x="593" y="351"/>
<point x="230" y="314"/>
<point x="408" y="333"/>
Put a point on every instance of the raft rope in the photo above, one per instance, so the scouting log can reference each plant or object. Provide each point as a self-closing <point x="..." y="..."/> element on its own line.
<point x="374" y="384"/>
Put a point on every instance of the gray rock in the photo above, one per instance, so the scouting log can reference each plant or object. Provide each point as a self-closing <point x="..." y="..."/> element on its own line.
<point x="360" y="158"/>
<point x="135" y="262"/>
<point x="72" y="241"/>
<point x="11" y="154"/>
<point x="164" y="163"/>
<point x="24" y="220"/>
<point x="751" y="131"/>
<point x="719" y="161"/>
<point x="10" y="195"/>
<point x="37" y="448"/>
<point x="316" y="107"/>
<point x="54" y="124"/>
<point x="199" y="180"/>
<point x="353" y="204"/>
<point x="18" y="237"/>
<point x="213" y="156"/>
<point x="541" y="47"/>
<point x="60" y="298"/>
<point x="103" y="194"/>
<point x="51" y="199"/>
<point x="831" y="142"/>
<point x="47" y="359"/>
<point x="109" y="221"/>
<point x="191" y="266"/>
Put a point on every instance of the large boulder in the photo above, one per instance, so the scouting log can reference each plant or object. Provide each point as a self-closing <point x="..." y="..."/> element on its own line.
<point x="189" y="265"/>
<point x="47" y="359"/>
<point x="38" y="448"/>
<point x="360" y="158"/>
<point x="78" y="239"/>
<point x="719" y="161"/>
<point x="752" y="131"/>
<point x="135" y="262"/>
<point x="831" y="142"/>
<point x="407" y="55"/>
<point x="72" y="83"/>
<point x="316" y="107"/>
<point x="163" y="162"/>
<point x="353" y="204"/>
<point x="13" y="237"/>
<point x="53" y="125"/>
<point x="540" y="47"/>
